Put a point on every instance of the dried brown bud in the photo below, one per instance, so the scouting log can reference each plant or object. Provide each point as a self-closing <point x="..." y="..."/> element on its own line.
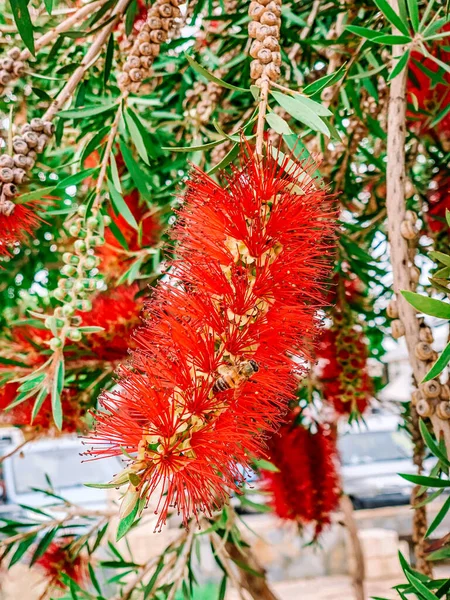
<point x="256" y="69"/>
<point x="276" y="58"/>
<point x="165" y="10"/>
<point x="426" y="335"/>
<point x="431" y="389"/>
<point x="20" y="146"/>
<point x="144" y="36"/>
<point x="275" y="8"/>
<point x="14" y="53"/>
<point x="424" y="409"/>
<point x="19" y="175"/>
<point x="136" y="75"/>
<point x="392" y="309"/>
<point x="269" y="18"/>
<point x="37" y="125"/>
<point x="408" y="230"/>
<point x="146" y="49"/>
<point x="167" y="24"/>
<point x="9" y="190"/>
<point x="49" y="128"/>
<point x="19" y="68"/>
<point x="397" y="329"/>
<point x="5" y="77"/>
<point x="443" y="410"/>
<point x="124" y="80"/>
<point x="6" y="175"/>
<point x="265" y="56"/>
<point x="158" y="36"/>
<point x="271" y="43"/>
<point x="154" y="23"/>
<point x="272" y="71"/>
<point x="6" y="161"/>
<point x="6" y="64"/>
<point x="424" y="351"/>
<point x="255" y="48"/>
<point x="253" y="28"/>
<point x="256" y="10"/>
<point x="20" y="160"/>
<point x="31" y="139"/>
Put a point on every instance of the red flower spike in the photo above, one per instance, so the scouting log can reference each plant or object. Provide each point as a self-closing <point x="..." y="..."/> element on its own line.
<point x="57" y="559"/>
<point x="15" y="227"/>
<point x="226" y="337"/>
<point x="343" y="375"/>
<point x="306" y="486"/>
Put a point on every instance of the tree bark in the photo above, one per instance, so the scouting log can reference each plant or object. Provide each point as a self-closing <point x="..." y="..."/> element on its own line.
<point x="255" y="585"/>
<point x="359" y="574"/>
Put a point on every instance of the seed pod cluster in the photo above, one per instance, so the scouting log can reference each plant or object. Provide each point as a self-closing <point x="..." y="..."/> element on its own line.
<point x="11" y="67"/>
<point x="14" y="169"/>
<point x="154" y="32"/>
<point x="264" y="28"/>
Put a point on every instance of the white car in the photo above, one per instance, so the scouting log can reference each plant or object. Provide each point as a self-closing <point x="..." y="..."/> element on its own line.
<point x="58" y="461"/>
<point x="372" y="455"/>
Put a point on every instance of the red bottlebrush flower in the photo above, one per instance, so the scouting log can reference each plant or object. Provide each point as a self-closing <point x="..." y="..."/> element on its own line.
<point x="438" y="203"/>
<point x="16" y="226"/>
<point x="114" y="259"/>
<point x="306" y="486"/>
<point x="57" y="559"/>
<point x="117" y="311"/>
<point x="21" y="414"/>
<point x="426" y="97"/>
<point x="342" y="369"/>
<point x="220" y="354"/>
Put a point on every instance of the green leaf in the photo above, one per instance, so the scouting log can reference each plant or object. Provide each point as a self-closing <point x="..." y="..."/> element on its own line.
<point x="20" y="550"/>
<point x="48" y="6"/>
<point x="447" y="216"/>
<point x="149" y="587"/>
<point x="58" y="385"/>
<point x="223" y="588"/>
<point x="265" y="465"/>
<point x="94" y="143"/>
<point x="317" y="86"/>
<point x="87" y="111"/>
<point x="440" y="257"/>
<point x="90" y="329"/>
<point x="126" y="523"/>
<point x="121" y="206"/>
<point x="202" y="71"/>
<point x="428" y="306"/>
<point x="420" y="587"/>
<point x="94" y="579"/>
<point x="108" y="59"/>
<point x="118" y="235"/>
<point x="229" y="157"/>
<point x="429" y="441"/>
<point x="32" y="382"/>
<point x="151" y="146"/>
<point x="76" y="178"/>
<point x="401" y="64"/>
<point x="433" y="482"/>
<point x="101" y="486"/>
<point x="136" y="136"/>
<point x="200" y="148"/>
<point x="392" y="16"/>
<point x="413" y="10"/>
<point x="278" y="124"/>
<point x="23" y="23"/>
<point x="439" y="365"/>
<point x="364" y="32"/>
<point x="34" y="195"/>
<point x="439" y="517"/>
<point x="43" y="545"/>
<point x="298" y="109"/>
<point x="135" y="171"/>
<point x="392" y="39"/>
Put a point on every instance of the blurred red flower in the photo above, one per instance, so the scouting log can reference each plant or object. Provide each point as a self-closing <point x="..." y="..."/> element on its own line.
<point x="57" y="559"/>
<point x="306" y="486"/>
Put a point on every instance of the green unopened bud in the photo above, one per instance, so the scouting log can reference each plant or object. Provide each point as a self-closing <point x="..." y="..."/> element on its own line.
<point x="84" y="305"/>
<point x="74" y="335"/>
<point x="68" y="270"/>
<point x="76" y="321"/>
<point x="58" y="312"/>
<point x="55" y="343"/>
<point x="98" y="240"/>
<point x="106" y="220"/>
<point x="70" y="259"/>
<point x="92" y="223"/>
<point x="74" y="230"/>
<point x="80" y="246"/>
<point x="68" y="310"/>
<point x="82" y="210"/>
<point x="91" y="262"/>
<point x="59" y="294"/>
